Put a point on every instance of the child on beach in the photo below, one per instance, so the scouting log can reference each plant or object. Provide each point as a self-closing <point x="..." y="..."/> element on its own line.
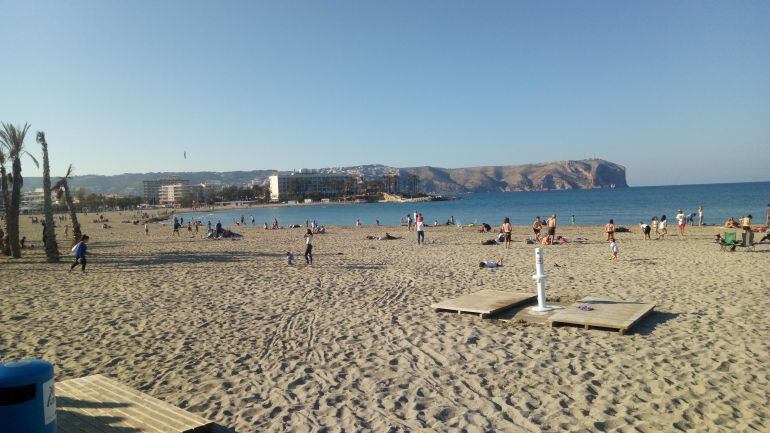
<point x="146" y="229"/>
<point x="80" y="253"/>
<point x="615" y="250"/>
<point x="681" y="222"/>
<point x="289" y="258"/>
<point x="645" y="230"/>
<point x="662" y="230"/>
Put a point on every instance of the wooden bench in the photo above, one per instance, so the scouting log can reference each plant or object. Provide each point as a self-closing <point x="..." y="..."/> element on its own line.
<point x="96" y="404"/>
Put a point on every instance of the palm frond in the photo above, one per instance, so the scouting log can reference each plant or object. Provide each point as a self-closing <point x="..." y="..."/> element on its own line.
<point x="32" y="157"/>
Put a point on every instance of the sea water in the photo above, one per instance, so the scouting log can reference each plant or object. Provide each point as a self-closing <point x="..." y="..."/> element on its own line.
<point x="627" y="206"/>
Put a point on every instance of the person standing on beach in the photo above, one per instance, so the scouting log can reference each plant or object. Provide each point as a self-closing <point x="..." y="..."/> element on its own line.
<point x="662" y="227"/>
<point x="609" y="229"/>
<point x="358" y="223"/>
<point x="309" y="247"/>
<point x="537" y="226"/>
<point x="506" y="229"/>
<point x="572" y="219"/>
<point x="176" y="227"/>
<point x="654" y="224"/>
<point x="681" y="222"/>
<point x="80" y="253"/>
<point x="253" y="221"/>
<point x="408" y="223"/>
<point x="146" y="229"/>
<point x="700" y="215"/>
<point x="551" y="227"/>
<point x="242" y="219"/>
<point x="420" y="227"/>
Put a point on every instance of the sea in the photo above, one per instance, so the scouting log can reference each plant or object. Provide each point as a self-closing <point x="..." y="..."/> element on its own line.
<point x="627" y="206"/>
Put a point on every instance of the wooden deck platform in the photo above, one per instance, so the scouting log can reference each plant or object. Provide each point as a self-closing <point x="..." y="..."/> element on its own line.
<point x="96" y="404"/>
<point x="484" y="302"/>
<point x="606" y="313"/>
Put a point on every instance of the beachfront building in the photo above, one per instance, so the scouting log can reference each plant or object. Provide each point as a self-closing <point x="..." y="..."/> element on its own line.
<point x="152" y="188"/>
<point x="32" y="201"/>
<point x="176" y="193"/>
<point x="307" y="184"/>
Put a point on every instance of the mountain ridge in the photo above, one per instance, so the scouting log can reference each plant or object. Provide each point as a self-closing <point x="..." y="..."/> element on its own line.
<point x="566" y="174"/>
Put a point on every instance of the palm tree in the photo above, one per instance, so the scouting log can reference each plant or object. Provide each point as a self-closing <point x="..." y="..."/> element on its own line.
<point x="12" y="138"/>
<point x="49" y="233"/>
<point x="6" y="199"/>
<point x="63" y="190"/>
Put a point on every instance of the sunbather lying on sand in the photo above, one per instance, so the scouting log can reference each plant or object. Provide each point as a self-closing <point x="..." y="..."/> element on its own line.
<point x="386" y="237"/>
<point x="491" y="264"/>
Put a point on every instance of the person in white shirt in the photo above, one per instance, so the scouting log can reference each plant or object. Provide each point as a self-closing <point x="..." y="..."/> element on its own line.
<point x="420" y="232"/>
<point x="662" y="230"/>
<point x="681" y="221"/>
<point x="646" y="229"/>
<point x="309" y="247"/>
<point x="615" y="250"/>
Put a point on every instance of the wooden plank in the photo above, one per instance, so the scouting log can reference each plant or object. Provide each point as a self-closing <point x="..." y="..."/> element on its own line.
<point x="139" y="408"/>
<point x="606" y="313"/>
<point x="484" y="302"/>
<point x="121" y="405"/>
<point x="110" y="407"/>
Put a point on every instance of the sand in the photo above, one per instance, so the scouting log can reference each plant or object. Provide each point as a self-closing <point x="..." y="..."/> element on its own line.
<point x="227" y="330"/>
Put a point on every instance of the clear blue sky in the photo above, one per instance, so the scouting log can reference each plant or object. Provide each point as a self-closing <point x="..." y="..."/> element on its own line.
<point x="678" y="92"/>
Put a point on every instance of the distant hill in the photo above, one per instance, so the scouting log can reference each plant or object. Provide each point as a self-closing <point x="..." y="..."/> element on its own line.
<point x="585" y="174"/>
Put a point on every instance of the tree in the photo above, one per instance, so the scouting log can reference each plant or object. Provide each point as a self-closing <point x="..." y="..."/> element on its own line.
<point x="49" y="233"/>
<point x="12" y="138"/>
<point x="63" y="190"/>
<point x="6" y="198"/>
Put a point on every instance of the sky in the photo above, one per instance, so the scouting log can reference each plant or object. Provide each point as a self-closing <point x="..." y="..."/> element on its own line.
<point x="677" y="92"/>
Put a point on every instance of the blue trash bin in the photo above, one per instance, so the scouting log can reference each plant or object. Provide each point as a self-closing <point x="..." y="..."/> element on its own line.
<point x="27" y="399"/>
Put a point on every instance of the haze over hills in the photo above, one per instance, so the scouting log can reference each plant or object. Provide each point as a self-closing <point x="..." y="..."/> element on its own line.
<point x="584" y="174"/>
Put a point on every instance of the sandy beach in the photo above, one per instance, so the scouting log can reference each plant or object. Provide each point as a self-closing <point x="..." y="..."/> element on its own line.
<point x="227" y="330"/>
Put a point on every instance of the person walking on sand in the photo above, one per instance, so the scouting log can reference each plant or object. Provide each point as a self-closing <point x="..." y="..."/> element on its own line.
<point x="662" y="227"/>
<point x="681" y="222"/>
<point x="253" y="221"/>
<point x="176" y="228"/>
<point x="551" y="227"/>
<point x="80" y="253"/>
<point x="572" y="220"/>
<point x="309" y="247"/>
<point x="420" y="227"/>
<point x="146" y="229"/>
<point x="609" y="229"/>
<point x="615" y="250"/>
<point x="507" y="228"/>
<point x="700" y="215"/>
<point x="537" y="226"/>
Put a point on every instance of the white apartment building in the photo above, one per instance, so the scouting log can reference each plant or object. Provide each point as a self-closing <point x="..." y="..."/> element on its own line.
<point x="295" y="185"/>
